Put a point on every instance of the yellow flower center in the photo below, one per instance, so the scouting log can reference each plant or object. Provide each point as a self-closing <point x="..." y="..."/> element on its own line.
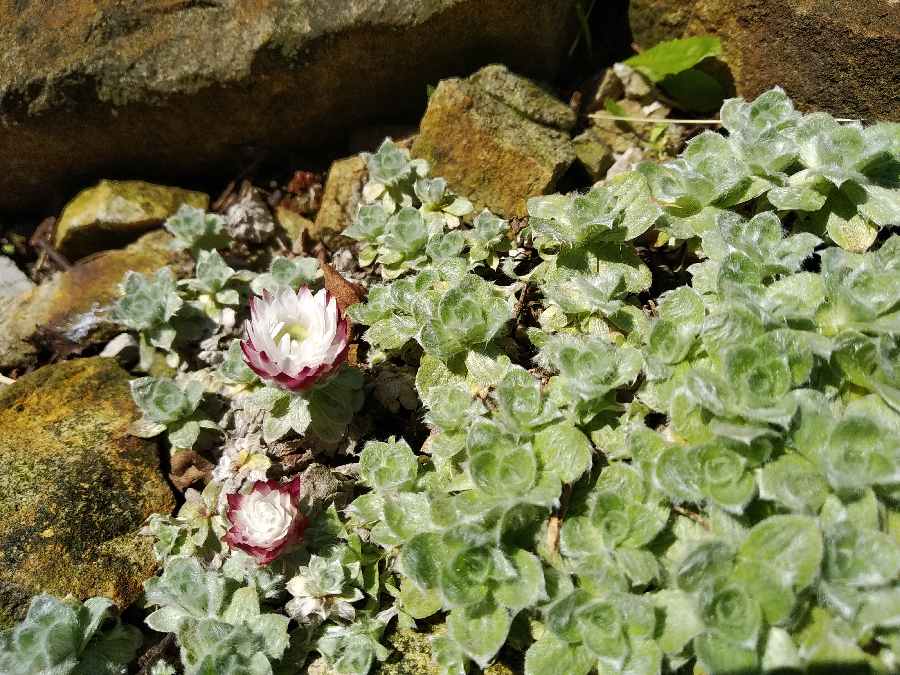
<point x="296" y="330"/>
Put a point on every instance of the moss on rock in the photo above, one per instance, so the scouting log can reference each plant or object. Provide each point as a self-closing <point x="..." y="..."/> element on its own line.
<point x="489" y="150"/>
<point x="75" y="487"/>
<point x="114" y="213"/>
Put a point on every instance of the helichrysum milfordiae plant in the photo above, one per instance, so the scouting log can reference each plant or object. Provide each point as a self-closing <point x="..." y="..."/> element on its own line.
<point x="148" y="306"/>
<point x="69" y="638"/>
<point x="392" y="175"/>
<point x="658" y="425"/>
<point x="196" y="230"/>
<point x="324" y="588"/>
<point x="170" y="407"/>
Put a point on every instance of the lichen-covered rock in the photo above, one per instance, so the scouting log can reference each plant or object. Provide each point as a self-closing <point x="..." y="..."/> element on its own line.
<point x="162" y="88"/>
<point x="489" y="150"/>
<point x="114" y="213"/>
<point x="71" y="308"/>
<point x="343" y="190"/>
<point x="525" y="97"/>
<point x="75" y="487"/>
<point x="833" y="55"/>
<point x="293" y="223"/>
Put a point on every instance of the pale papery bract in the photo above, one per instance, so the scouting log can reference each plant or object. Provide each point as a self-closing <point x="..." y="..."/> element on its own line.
<point x="295" y="339"/>
<point x="267" y="520"/>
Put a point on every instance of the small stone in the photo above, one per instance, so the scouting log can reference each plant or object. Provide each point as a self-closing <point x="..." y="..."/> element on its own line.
<point x="595" y="155"/>
<point x="343" y="191"/>
<point x="114" y="213"/>
<point x="489" y="151"/>
<point x="293" y="223"/>
<point x="73" y="306"/>
<point x="13" y="281"/>
<point x="75" y="488"/>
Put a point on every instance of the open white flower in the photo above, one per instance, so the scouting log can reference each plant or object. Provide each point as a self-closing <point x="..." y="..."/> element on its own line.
<point x="267" y="520"/>
<point x="294" y="339"/>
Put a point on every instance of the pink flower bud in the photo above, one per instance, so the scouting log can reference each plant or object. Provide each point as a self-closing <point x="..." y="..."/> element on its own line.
<point x="267" y="520"/>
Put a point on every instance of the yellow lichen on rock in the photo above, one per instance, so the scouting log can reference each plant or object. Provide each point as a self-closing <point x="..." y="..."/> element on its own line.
<point x="113" y="213"/>
<point x="75" y="488"/>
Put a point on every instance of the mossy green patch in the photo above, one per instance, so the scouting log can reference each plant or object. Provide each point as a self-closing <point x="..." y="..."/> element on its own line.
<point x="75" y="487"/>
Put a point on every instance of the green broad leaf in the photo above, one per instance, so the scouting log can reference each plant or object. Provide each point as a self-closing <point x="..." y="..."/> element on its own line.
<point x="183" y="435"/>
<point x="421" y="559"/>
<point x="195" y="229"/>
<point x="234" y="368"/>
<point x="417" y="602"/>
<point x="880" y="609"/>
<point x="277" y="424"/>
<point x="407" y="514"/>
<point x="243" y="607"/>
<point x="861" y="557"/>
<point x="681" y="623"/>
<point x="858" y="454"/>
<point x="788" y="547"/>
<point x="564" y="450"/>
<point x="603" y="633"/>
<point x="526" y="588"/>
<point x="879" y="205"/>
<point x="388" y="466"/>
<point x="480" y="631"/>
<point x="647" y="521"/>
<point x="780" y="652"/>
<point x="550" y="656"/>
<point x="732" y="613"/>
<point x="843" y="223"/>
<point x="646" y="657"/>
<point x="677" y="475"/>
<point x="160" y="399"/>
<point x="674" y="56"/>
<point x="718" y="654"/>
<point x="829" y="642"/>
<point x="695" y="90"/>
<point x="502" y="468"/>
<point x="109" y="651"/>
<point x="562" y="615"/>
<point x="724" y="478"/>
<point x="640" y="566"/>
<point x="707" y="563"/>
<point x="299" y="414"/>
<point x="797" y="198"/>
<point x="447" y="655"/>
<point x="212" y="272"/>
<point x="795" y="483"/>
<point x="465" y="575"/>
<point x="519" y="397"/>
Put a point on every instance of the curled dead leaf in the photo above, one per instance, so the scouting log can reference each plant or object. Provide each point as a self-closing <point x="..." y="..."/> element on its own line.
<point x="346" y="293"/>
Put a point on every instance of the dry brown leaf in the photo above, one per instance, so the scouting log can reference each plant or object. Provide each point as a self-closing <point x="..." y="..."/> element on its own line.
<point x="188" y="468"/>
<point x="346" y="293"/>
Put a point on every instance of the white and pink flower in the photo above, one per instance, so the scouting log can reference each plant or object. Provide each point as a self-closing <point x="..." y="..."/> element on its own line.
<point x="295" y="339"/>
<point x="267" y="520"/>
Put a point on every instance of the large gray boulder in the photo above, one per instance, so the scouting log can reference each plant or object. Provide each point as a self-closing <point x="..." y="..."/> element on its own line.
<point x="170" y="89"/>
